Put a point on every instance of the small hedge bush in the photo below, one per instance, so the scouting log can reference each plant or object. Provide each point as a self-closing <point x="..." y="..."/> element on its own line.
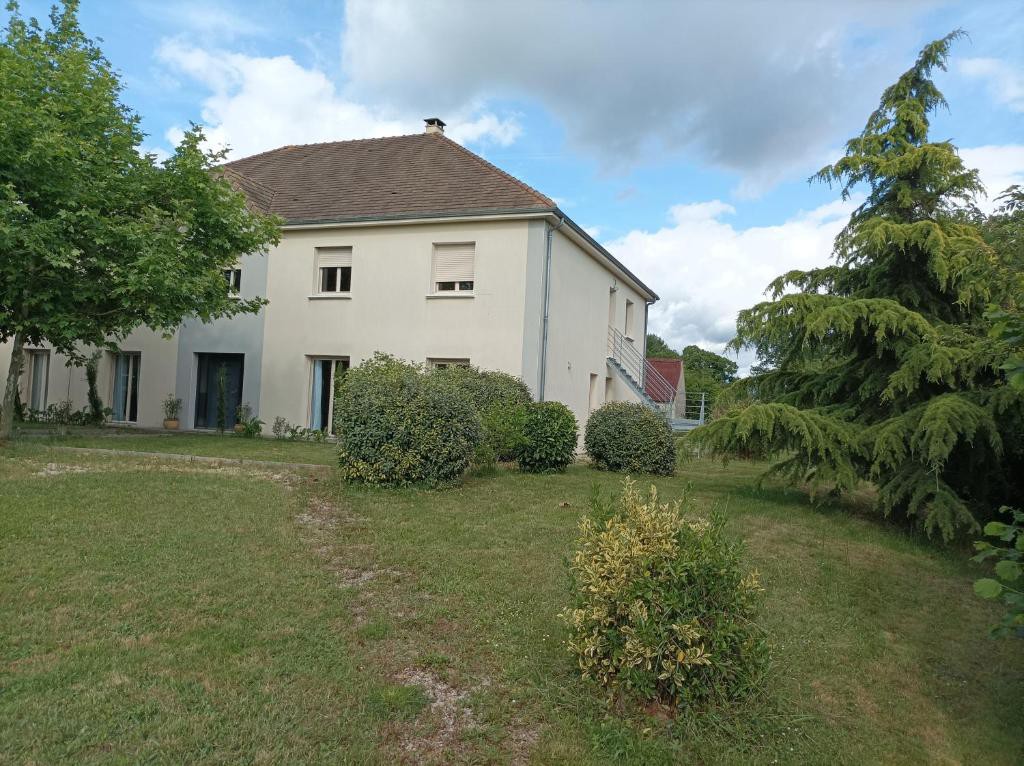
<point x="486" y="388"/>
<point x="662" y="608"/>
<point x="500" y="400"/>
<point x="627" y="436"/>
<point x="503" y="429"/>
<point x="398" y="425"/>
<point x="549" y="438"/>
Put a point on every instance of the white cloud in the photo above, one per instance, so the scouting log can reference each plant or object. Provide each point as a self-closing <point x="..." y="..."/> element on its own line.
<point x="208" y="20"/>
<point x="999" y="167"/>
<point x="1004" y="81"/>
<point x="706" y="270"/>
<point x="756" y="87"/>
<point x="259" y="103"/>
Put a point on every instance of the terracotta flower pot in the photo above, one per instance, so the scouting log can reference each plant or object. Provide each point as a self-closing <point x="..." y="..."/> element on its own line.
<point x="239" y="428"/>
<point x="171" y="424"/>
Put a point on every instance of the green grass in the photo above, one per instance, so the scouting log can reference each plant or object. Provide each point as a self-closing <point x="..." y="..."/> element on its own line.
<point x="174" y="613"/>
<point x="207" y="445"/>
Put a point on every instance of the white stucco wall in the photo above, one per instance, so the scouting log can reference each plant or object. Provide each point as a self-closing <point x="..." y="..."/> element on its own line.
<point x="390" y="308"/>
<point x="156" y="375"/>
<point x="581" y="290"/>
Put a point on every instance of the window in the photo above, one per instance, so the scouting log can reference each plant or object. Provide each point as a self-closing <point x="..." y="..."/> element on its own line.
<point x="126" y="387"/>
<point x="334" y="270"/>
<point x="452" y="269"/>
<point x="321" y="399"/>
<point x="38" y="379"/>
<point x="593" y="403"/>
<point x="628" y="329"/>
<point x="608" y="391"/>
<point x="234" y="279"/>
<point x="440" y="364"/>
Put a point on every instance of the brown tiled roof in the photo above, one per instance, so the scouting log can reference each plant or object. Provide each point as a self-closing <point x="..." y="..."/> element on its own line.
<point x="379" y="178"/>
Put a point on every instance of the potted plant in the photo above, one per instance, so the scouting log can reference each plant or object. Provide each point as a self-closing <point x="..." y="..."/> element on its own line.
<point x="172" y="407"/>
<point x="243" y="414"/>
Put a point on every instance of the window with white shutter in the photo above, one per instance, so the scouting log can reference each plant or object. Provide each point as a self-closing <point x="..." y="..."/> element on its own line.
<point x="453" y="267"/>
<point x="334" y="270"/>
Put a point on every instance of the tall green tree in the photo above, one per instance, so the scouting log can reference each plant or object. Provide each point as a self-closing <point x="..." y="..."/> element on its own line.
<point x="657" y="348"/>
<point x="884" y="368"/>
<point x="707" y="372"/>
<point x="96" y="238"/>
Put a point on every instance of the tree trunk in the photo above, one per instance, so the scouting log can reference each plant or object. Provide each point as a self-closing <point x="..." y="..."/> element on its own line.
<point x="11" y="392"/>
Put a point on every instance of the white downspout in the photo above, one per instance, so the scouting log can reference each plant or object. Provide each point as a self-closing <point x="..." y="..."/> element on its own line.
<point x="549" y="237"/>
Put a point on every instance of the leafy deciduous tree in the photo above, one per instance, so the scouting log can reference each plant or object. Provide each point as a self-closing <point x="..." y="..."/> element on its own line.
<point x="657" y="348"/>
<point x="706" y="372"/>
<point x="97" y="239"/>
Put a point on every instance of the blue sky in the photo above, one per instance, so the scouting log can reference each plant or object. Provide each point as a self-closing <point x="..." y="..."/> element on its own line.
<point x="681" y="134"/>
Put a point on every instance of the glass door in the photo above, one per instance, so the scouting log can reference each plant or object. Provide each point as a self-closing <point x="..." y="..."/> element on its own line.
<point x="39" y="373"/>
<point x="126" y="388"/>
<point x="209" y="399"/>
<point x="321" y="400"/>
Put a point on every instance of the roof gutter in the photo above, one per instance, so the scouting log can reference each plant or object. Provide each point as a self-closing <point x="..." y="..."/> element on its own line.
<point x="597" y="249"/>
<point x="419" y="218"/>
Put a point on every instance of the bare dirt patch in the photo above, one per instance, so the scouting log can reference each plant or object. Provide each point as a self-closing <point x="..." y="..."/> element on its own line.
<point x="353" y="578"/>
<point x="59" y="469"/>
<point x="450" y="716"/>
<point x="522" y="739"/>
<point x="321" y="514"/>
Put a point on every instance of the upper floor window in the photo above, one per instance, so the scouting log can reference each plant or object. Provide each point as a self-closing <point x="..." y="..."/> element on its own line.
<point x="334" y="270"/>
<point x="629" y="329"/>
<point x="452" y="269"/>
<point x="234" y="279"/>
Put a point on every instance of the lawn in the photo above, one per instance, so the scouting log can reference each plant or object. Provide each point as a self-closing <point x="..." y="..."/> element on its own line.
<point x="172" y="612"/>
<point x="229" y="445"/>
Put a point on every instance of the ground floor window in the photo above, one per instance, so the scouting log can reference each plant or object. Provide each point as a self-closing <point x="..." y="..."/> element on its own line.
<point x="38" y="379"/>
<point x="125" y="399"/>
<point x="321" y="400"/>
<point x="440" y="364"/>
<point x="218" y="389"/>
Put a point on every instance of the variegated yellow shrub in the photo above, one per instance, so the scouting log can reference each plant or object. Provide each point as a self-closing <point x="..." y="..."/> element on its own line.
<point x="663" y="609"/>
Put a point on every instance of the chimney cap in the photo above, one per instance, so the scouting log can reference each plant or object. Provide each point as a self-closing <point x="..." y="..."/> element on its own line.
<point x="434" y="125"/>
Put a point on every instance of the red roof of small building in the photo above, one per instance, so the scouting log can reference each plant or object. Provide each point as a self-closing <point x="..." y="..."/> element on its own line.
<point x="671" y="370"/>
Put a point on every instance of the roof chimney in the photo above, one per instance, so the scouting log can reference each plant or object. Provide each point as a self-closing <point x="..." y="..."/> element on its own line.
<point x="434" y="125"/>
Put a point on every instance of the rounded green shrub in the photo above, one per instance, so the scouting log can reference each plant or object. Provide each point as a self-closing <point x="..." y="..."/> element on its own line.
<point x="398" y="425"/>
<point x="486" y="388"/>
<point x="627" y="436"/>
<point x="500" y="400"/>
<point x="549" y="438"/>
<point x="663" y="609"/>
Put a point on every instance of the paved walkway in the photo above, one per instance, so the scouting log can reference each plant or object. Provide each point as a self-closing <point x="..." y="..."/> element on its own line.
<point x="193" y="458"/>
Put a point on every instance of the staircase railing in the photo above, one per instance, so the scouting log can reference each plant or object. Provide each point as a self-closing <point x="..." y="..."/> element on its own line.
<point x="697" y="407"/>
<point x="659" y="391"/>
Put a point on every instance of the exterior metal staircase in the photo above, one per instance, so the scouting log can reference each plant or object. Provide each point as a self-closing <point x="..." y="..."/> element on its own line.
<point x="644" y="380"/>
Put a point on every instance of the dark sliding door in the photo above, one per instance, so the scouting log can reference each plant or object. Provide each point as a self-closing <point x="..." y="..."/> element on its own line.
<point x="208" y="387"/>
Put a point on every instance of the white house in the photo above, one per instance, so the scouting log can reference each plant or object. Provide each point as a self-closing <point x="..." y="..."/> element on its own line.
<point x="411" y="245"/>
